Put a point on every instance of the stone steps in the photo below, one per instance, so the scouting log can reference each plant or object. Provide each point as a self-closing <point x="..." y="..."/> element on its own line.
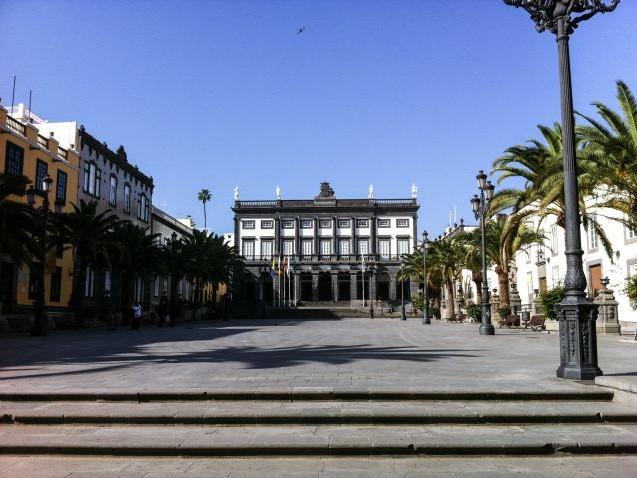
<point x="314" y="413"/>
<point x="318" y="440"/>
<point x="316" y="422"/>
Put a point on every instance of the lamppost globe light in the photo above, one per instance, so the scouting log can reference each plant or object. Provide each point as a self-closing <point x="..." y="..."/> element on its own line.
<point x="490" y="190"/>
<point x="46" y="183"/>
<point x="482" y="179"/>
<point x="475" y="204"/>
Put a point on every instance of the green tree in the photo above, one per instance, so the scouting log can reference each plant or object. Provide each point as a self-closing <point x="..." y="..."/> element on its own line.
<point x="204" y="196"/>
<point x="539" y="165"/>
<point x="86" y="231"/>
<point x="134" y="254"/>
<point x="16" y="220"/>
<point x="612" y="148"/>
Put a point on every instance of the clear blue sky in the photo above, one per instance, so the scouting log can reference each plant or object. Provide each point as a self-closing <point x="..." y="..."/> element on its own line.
<point x="217" y="94"/>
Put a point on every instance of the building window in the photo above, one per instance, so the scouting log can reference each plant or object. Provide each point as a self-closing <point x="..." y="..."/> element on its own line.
<point x="247" y="224"/>
<point x="384" y="223"/>
<point x="266" y="249"/>
<point x="60" y="186"/>
<point x="555" y="275"/>
<point x="325" y="223"/>
<point x="112" y="191"/>
<point x="267" y="224"/>
<point x="108" y="281"/>
<point x="343" y="247"/>
<point x="288" y="247"/>
<point x="402" y="222"/>
<point x="92" y="179"/>
<point x="326" y="247"/>
<point x="34" y="279"/>
<point x="307" y="224"/>
<point x="287" y="224"/>
<point x="247" y="248"/>
<point x="554" y="240"/>
<point x="593" y="238"/>
<point x="41" y="170"/>
<point x="56" y="285"/>
<point x="383" y="248"/>
<point x="127" y="198"/>
<point x="142" y="208"/>
<point x="363" y="246"/>
<point x="403" y="246"/>
<point x="156" y="287"/>
<point x="14" y="159"/>
<point x="306" y="247"/>
<point x="362" y="223"/>
<point x="343" y="223"/>
<point x="89" y="282"/>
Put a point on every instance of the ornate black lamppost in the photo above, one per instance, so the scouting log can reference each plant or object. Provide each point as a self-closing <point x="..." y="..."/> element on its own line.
<point x="402" y="290"/>
<point x="480" y="206"/>
<point x="425" y="299"/>
<point x="371" y="302"/>
<point x="576" y="313"/>
<point x="39" y="314"/>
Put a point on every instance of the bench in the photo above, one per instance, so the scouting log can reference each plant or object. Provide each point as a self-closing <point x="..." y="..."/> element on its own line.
<point x="510" y="321"/>
<point x="536" y="322"/>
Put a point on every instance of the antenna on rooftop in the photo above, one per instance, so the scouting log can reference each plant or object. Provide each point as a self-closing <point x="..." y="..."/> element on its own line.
<point x="13" y="95"/>
<point x="29" y="106"/>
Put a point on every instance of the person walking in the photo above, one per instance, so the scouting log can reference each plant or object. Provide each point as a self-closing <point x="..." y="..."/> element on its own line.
<point x="162" y="310"/>
<point x="137" y="316"/>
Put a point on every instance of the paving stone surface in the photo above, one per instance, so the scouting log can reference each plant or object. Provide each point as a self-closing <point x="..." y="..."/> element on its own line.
<point x="345" y="467"/>
<point x="348" y="354"/>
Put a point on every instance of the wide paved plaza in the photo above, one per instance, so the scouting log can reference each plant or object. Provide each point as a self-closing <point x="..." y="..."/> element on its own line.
<point x="273" y="354"/>
<point x="176" y="434"/>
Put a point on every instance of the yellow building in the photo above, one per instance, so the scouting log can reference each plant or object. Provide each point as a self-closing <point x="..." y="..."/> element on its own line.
<point x="23" y="151"/>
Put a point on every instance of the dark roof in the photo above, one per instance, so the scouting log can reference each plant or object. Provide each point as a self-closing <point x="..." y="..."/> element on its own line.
<point x="324" y="204"/>
<point x="119" y="158"/>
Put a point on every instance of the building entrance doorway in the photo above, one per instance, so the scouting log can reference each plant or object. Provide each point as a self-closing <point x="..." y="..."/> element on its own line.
<point x="595" y="280"/>
<point x="325" y="287"/>
<point x="344" y="284"/>
<point x="268" y="293"/>
<point x="362" y="286"/>
<point x="382" y="287"/>
<point x="306" y="287"/>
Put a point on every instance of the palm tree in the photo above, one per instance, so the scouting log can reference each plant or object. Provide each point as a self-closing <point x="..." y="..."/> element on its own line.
<point x="447" y="259"/>
<point x="86" y="231"/>
<point x="471" y="241"/>
<point x="204" y="196"/>
<point x="134" y="254"/>
<point x="16" y="220"/>
<point x="413" y="269"/>
<point x="612" y="147"/>
<point x="505" y="237"/>
<point x="539" y="165"/>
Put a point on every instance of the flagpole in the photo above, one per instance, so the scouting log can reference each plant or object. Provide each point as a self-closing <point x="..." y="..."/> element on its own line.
<point x="363" y="277"/>
<point x="284" y="300"/>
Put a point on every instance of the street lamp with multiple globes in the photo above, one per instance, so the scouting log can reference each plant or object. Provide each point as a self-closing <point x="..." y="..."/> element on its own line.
<point x="480" y="206"/>
<point x="425" y="249"/>
<point x="576" y="313"/>
<point x="39" y="314"/>
<point x="403" y="316"/>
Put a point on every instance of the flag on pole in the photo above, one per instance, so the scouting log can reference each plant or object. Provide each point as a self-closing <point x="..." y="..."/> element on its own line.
<point x="287" y="268"/>
<point x="273" y="269"/>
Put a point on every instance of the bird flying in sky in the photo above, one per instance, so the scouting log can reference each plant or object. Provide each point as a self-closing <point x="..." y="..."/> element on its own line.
<point x="301" y="30"/>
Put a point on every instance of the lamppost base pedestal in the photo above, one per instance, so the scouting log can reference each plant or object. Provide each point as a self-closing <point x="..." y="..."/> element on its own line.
<point x="487" y="329"/>
<point x="426" y="321"/>
<point x="578" y="339"/>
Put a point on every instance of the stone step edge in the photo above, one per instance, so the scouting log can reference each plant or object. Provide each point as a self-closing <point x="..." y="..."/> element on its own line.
<point x="291" y="419"/>
<point x="326" y="450"/>
<point x="317" y="395"/>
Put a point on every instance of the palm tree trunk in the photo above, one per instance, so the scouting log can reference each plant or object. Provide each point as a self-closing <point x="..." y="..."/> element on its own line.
<point x="205" y="218"/>
<point x="449" y="300"/>
<point x="478" y="284"/>
<point x="503" y="281"/>
<point x="75" y="302"/>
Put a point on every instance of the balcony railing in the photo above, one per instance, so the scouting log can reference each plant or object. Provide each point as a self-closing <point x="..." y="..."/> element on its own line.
<point x="62" y="153"/>
<point x="303" y="203"/>
<point x="43" y="142"/>
<point x="325" y="258"/>
<point x="14" y="125"/>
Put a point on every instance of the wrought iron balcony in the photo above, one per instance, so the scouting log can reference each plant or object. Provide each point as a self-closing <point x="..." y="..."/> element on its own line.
<point x="323" y="259"/>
